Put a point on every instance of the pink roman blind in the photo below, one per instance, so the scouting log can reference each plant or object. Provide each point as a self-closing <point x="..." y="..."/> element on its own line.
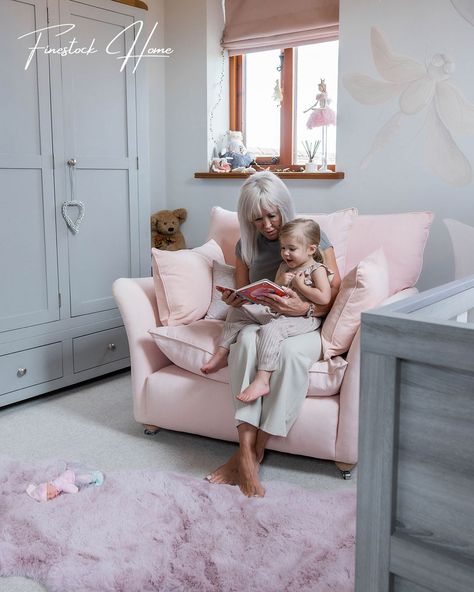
<point x="253" y="25"/>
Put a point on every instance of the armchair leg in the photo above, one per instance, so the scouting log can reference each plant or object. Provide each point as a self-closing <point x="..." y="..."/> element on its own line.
<point x="150" y="430"/>
<point x="345" y="469"/>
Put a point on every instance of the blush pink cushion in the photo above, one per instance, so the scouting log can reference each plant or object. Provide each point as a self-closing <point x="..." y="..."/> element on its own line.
<point x="224" y="229"/>
<point x="183" y="282"/>
<point x="191" y="346"/>
<point x="337" y="227"/>
<point x="364" y="287"/>
<point x="403" y="238"/>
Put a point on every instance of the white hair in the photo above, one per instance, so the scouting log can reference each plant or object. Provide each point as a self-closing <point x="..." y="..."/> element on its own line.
<point x="261" y="190"/>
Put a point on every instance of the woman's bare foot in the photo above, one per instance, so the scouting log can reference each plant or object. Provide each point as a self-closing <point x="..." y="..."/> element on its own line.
<point x="228" y="473"/>
<point x="249" y="483"/>
<point x="218" y="361"/>
<point x="258" y="388"/>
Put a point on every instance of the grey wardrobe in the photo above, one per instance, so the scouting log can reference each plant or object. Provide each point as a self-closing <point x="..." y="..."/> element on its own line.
<point x="74" y="204"/>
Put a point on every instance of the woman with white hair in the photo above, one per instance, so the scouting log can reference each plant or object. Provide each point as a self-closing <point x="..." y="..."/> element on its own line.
<point x="264" y="206"/>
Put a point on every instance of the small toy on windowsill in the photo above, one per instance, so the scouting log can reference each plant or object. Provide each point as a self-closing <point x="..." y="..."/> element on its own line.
<point x="165" y="229"/>
<point x="237" y="153"/>
<point x="220" y="165"/>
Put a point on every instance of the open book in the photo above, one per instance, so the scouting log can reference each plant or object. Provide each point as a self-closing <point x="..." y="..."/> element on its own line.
<point x="253" y="291"/>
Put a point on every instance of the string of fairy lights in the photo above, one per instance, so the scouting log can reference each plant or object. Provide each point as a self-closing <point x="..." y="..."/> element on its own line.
<point x="220" y="90"/>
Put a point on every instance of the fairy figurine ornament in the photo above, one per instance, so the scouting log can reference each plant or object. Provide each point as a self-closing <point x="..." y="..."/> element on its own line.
<point x="321" y="113"/>
<point x="321" y="116"/>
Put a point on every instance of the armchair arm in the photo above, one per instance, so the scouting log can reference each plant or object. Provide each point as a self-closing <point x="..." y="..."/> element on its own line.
<point x="135" y="298"/>
<point x="348" y="425"/>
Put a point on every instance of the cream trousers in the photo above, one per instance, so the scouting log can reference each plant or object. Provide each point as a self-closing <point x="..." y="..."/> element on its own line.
<point x="276" y="412"/>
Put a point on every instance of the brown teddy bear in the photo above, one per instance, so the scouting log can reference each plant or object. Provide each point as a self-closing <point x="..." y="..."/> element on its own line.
<point x="165" y="232"/>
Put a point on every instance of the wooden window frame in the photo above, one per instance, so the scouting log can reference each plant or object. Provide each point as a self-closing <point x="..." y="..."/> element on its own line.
<point x="237" y="97"/>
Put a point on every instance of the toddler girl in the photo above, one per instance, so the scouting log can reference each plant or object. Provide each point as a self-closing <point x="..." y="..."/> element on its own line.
<point x="302" y="270"/>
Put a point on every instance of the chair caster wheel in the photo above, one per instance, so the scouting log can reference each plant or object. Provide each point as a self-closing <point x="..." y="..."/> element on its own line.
<point x="345" y="469"/>
<point x="151" y="430"/>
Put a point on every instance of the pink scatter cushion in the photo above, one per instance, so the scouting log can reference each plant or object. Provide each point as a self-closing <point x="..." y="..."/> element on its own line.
<point x="337" y="227"/>
<point x="222" y="275"/>
<point x="191" y="346"/>
<point x="224" y="229"/>
<point x="183" y="282"/>
<point x="403" y="238"/>
<point x="364" y="287"/>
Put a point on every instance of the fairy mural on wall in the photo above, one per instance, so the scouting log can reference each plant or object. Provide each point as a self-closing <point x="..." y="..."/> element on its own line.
<point x="419" y="88"/>
<point x="465" y="9"/>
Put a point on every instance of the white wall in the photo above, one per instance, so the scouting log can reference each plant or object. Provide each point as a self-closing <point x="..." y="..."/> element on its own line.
<point x="156" y="105"/>
<point x="397" y="179"/>
<point x="193" y="28"/>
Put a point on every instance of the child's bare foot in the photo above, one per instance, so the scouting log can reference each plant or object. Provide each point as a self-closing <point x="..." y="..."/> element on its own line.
<point x="258" y="388"/>
<point x="218" y="361"/>
<point x="249" y="483"/>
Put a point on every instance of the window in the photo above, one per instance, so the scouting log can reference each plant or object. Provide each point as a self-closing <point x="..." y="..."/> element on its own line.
<point x="274" y="130"/>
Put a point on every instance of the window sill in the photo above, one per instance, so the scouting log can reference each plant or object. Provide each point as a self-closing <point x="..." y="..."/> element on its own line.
<point x="282" y="175"/>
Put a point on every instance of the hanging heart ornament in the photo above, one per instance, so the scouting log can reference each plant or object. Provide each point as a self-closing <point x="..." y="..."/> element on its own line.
<point x="73" y="225"/>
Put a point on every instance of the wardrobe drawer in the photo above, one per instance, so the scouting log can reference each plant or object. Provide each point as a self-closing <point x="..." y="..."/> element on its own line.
<point x="30" y="366"/>
<point x="99" y="348"/>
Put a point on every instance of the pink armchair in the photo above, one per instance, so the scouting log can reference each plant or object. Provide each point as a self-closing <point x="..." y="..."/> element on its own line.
<point x="171" y="397"/>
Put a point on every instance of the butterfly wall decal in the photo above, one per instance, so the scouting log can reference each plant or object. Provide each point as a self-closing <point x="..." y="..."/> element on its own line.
<point x="419" y="88"/>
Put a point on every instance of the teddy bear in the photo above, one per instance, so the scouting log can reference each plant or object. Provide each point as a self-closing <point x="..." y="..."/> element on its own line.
<point x="165" y="229"/>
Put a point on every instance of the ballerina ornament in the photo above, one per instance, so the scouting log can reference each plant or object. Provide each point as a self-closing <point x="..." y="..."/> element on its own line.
<point x="321" y="116"/>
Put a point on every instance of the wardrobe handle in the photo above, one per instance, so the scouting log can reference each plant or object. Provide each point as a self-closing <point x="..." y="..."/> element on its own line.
<point x="72" y="162"/>
<point x="21" y="372"/>
<point x="112" y="347"/>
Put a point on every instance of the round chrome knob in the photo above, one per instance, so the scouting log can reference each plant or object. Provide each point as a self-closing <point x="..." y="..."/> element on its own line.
<point x="21" y="372"/>
<point x="112" y="347"/>
<point x="72" y="162"/>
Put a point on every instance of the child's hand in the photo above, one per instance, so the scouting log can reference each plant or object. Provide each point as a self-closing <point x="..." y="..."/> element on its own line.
<point x="298" y="280"/>
<point x="288" y="278"/>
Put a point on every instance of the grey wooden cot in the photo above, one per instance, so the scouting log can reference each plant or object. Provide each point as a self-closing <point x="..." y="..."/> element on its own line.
<point x="415" y="516"/>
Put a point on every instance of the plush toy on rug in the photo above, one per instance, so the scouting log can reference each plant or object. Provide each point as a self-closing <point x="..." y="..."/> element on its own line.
<point x="165" y="229"/>
<point x="69" y="481"/>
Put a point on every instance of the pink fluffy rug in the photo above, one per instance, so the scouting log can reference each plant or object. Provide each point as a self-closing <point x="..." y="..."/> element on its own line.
<point x="147" y="530"/>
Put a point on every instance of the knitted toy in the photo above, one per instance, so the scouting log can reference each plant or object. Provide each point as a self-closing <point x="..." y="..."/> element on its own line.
<point x="236" y="152"/>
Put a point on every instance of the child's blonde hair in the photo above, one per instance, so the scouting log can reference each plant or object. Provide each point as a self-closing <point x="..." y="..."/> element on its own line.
<point x="307" y="231"/>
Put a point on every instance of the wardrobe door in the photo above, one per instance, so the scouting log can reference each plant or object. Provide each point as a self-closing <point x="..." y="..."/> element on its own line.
<point x="100" y="142"/>
<point x="28" y="262"/>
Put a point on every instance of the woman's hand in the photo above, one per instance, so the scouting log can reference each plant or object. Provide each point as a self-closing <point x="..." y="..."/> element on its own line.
<point x="232" y="299"/>
<point x="290" y="305"/>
